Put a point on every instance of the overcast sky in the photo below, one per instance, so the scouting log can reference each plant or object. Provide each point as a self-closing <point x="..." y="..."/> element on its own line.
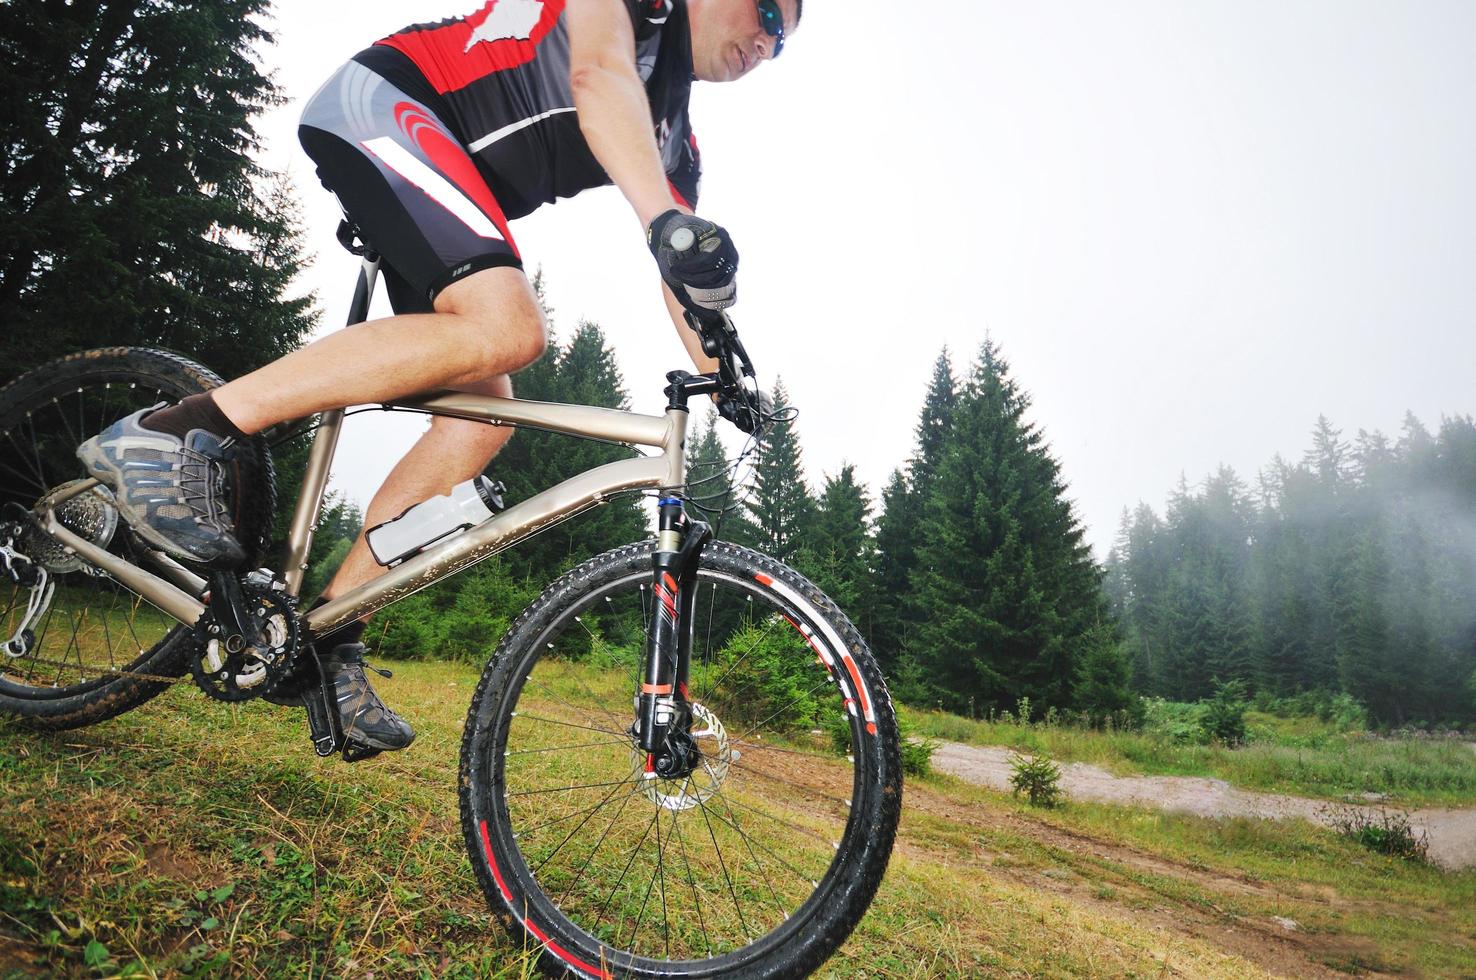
<point x="1192" y="225"/>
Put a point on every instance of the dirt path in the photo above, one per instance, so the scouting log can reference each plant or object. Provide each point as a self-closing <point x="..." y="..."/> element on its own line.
<point x="1452" y="833"/>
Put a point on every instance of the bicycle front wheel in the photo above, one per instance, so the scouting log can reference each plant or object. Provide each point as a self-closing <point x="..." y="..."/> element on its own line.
<point x="762" y="860"/>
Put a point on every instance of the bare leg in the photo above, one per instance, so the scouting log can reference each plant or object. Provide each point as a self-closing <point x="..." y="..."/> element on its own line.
<point x="453" y="451"/>
<point x="485" y="325"/>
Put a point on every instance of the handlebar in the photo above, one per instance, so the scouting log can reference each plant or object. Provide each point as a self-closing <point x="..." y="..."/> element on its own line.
<point x="735" y="382"/>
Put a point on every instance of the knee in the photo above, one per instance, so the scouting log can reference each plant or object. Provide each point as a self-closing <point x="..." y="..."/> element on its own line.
<point x="508" y="341"/>
<point x="506" y="326"/>
<point x="525" y="338"/>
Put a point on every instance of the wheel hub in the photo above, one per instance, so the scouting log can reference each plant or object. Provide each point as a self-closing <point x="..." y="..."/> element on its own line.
<point x="695" y="766"/>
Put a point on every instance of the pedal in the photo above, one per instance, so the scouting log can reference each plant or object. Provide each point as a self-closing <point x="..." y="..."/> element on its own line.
<point x="323" y="725"/>
<point x="355" y="752"/>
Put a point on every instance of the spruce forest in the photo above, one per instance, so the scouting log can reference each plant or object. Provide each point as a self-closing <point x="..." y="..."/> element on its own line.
<point x="136" y="214"/>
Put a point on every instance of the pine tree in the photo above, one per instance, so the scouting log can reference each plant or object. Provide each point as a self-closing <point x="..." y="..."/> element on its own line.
<point x="895" y="544"/>
<point x="896" y="610"/>
<point x="841" y="554"/>
<point x="780" y="507"/>
<point x="1012" y="597"/>
<point x="1357" y="565"/>
<point x="133" y="210"/>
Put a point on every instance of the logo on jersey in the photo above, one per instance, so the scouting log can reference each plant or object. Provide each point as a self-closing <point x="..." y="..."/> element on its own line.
<point x="508" y="20"/>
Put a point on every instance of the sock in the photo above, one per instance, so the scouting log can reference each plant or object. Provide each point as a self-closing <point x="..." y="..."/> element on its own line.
<point x="195" y="412"/>
<point x="350" y="632"/>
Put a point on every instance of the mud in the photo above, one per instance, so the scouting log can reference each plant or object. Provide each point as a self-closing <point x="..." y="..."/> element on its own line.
<point x="1451" y="832"/>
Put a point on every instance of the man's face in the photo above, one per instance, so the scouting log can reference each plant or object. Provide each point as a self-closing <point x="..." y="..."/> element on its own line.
<point x="728" y="37"/>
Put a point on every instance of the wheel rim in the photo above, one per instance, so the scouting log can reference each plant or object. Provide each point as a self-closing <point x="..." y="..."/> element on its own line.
<point x="94" y="628"/>
<point x="723" y="864"/>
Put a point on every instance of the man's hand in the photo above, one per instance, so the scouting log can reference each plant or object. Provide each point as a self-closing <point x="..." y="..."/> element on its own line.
<point x="697" y="260"/>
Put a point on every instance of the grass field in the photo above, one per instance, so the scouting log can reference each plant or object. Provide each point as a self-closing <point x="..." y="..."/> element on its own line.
<point x="191" y="838"/>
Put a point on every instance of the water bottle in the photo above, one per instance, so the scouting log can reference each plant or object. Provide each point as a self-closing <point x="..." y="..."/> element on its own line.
<point x="435" y="519"/>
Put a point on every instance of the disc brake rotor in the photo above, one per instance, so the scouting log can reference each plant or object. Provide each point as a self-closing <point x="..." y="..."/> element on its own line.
<point x="707" y="779"/>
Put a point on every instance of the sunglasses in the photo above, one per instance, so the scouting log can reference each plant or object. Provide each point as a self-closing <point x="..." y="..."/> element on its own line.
<point x="773" y="20"/>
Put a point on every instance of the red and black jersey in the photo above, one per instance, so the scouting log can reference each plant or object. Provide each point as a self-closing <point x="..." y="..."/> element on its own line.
<point x="499" y="78"/>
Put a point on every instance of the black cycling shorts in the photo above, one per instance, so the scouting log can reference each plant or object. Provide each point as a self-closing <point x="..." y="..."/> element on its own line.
<point x="404" y="180"/>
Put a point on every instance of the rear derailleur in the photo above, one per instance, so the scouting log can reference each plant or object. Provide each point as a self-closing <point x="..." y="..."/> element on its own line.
<point x="28" y="574"/>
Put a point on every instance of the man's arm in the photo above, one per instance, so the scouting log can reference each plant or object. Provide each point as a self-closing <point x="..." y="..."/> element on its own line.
<point x="615" y="118"/>
<point x="614" y="114"/>
<point x="693" y="343"/>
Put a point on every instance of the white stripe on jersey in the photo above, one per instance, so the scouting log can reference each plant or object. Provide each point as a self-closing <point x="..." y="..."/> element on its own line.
<point x="511" y="128"/>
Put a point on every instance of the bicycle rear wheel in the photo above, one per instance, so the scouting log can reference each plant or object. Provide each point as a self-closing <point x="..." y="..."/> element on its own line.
<point x="763" y="859"/>
<point x="97" y="643"/>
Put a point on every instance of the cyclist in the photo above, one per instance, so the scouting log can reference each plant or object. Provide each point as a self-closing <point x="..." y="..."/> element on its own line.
<point x="433" y="139"/>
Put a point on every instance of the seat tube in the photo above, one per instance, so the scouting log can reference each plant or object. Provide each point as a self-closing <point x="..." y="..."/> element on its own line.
<point x="657" y="706"/>
<point x="325" y="444"/>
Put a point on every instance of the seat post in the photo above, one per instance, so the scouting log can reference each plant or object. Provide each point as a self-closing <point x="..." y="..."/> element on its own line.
<point x="364" y="289"/>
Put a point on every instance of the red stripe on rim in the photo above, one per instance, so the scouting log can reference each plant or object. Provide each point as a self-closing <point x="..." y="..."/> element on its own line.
<point x="565" y="955"/>
<point x="487" y="845"/>
<point x="808" y="639"/>
<point x="528" y="924"/>
<point x="763" y="579"/>
<point x="860" y="689"/>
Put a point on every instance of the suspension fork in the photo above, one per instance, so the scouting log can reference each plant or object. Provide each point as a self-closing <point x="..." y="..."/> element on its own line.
<point x="679" y="545"/>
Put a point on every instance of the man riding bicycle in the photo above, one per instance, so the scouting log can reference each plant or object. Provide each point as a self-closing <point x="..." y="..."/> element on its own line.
<point x="433" y="139"/>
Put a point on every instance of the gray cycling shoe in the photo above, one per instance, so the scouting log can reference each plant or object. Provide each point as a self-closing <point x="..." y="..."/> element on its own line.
<point x="171" y="491"/>
<point x="366" y="722"/>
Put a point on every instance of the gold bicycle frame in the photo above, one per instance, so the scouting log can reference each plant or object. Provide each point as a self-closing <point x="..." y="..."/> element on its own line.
<point x="176" y="590"/>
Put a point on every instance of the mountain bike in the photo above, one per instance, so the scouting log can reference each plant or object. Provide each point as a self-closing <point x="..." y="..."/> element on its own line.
<point x="680" y="761"/>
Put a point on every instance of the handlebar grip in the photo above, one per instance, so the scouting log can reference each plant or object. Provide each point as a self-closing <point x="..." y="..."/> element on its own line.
<point x="683" y="239"/>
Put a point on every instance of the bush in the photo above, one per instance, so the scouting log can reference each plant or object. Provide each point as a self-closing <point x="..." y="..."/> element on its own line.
<point x="769" y="677"/>
<point x="1038" y="777"/>
<point x="1224" y="715"/>
<point x="1344" y="712"/>
<point x="1179" y="723"/>
<point x="917" y="751"/>
<point x="1382" y="832"/>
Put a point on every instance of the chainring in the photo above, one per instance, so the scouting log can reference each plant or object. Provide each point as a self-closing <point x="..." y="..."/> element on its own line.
<point x="263" y="663"/>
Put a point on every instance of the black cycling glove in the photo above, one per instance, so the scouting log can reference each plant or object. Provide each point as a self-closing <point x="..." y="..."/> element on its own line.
<point x="697" y="260"/>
